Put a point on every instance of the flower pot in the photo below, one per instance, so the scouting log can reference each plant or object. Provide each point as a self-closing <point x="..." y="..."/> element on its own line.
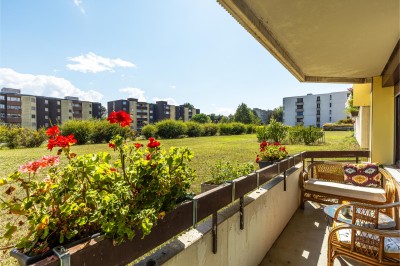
<point x="354" y="113"/>
<point x="24" y="259"/>
<point x="263" y="164"/>
<point x="208" y="186"/>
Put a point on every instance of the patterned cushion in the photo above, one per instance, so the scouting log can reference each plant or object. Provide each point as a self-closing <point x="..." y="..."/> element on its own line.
<point x="364" y="175"/>
<point x="392" y="244"/>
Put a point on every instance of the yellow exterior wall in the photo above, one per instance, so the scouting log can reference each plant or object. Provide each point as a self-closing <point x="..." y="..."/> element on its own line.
<point x="172" y="112"/>
<point x="66" y="106"/>
<point x="362" y="94"/>
<point x="382" y="123"/>
<point x="26" y="112"/>
<point x="86" y="110"/>
<point x="133" y="113"/>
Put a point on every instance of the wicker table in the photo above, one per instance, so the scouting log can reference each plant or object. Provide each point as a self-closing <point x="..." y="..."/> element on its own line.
<point x="384" y="221"/>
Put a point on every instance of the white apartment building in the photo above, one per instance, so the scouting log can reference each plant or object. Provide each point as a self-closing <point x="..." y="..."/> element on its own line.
<point x="315" y="109"/>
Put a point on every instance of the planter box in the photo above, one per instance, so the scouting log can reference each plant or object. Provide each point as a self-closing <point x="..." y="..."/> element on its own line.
<point x="263" y="164"/>
<point x="208" y="186"/>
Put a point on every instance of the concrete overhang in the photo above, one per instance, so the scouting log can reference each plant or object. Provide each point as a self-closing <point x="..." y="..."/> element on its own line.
<point x="348" y="41"/>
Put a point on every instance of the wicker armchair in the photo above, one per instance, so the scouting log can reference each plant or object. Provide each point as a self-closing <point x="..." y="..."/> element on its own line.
<point x="333" y="173"/>
<point x="361" y="240"/>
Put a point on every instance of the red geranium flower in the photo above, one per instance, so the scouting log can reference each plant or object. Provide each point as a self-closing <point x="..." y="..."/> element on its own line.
<point x="111" y="145"/>
<point x="120" y="117"/>
<point x="148" y="156"/>
<point x="53" y="131"/>
<point x="138" y="145"/>
<point x="153" y="143"/>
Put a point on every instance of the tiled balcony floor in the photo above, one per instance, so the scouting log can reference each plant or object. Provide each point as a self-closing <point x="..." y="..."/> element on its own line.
<point x="304" y="240"/>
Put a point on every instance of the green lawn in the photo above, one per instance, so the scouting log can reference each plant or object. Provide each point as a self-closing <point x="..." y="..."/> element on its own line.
<point x="207" y="150"/>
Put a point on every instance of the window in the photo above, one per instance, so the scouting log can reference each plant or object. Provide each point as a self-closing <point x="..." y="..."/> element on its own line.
<point x="2" y="106"/>
<point x="13" y="107"/>
<point x="299" y="120"/>
<point x="330" y="104"/>
<point x="2" y="97"/>
<point x="318" y="98"/>
<point x="33" y="116"/>
<point x="58" y="103"/>
<point x="46" y="101"/>
<point x="330" y="119"/>
<point x="33" y="108"/>
<point x="299" y="100"/>
<point x="330" y="112"/>
<point x="58" y="110"/>
<point x="90" y="112"/>
<point x="46" y="124"/>
<point x="123" y="102"/>
<point x="330" y="97"/>
<point x="318" y="119"/>
<point x="13" y="115"/>
<point x="46" y="109"/>
<point x="299" y="113"/>
<point x="318" y="125"/>
<point x="13" y="99"/>
<point x="318" y="105"/>
<point x="46" y="117"/>
<point x="318" y="112"/>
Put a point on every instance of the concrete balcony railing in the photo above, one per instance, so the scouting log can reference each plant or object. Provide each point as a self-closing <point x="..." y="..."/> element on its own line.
<point x="234" y="224"/>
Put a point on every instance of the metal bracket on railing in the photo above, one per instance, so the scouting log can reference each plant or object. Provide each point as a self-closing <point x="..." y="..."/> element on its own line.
<point x="214" y="232"/>
<point x="194" y="213"/>
<point x="241" y="212"/>
<point x="63" y="255"/>
<point x="258" y="180"/>
<point x="284" y="181"/>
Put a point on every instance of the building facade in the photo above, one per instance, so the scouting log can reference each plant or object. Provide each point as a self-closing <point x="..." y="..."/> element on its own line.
<point x="143" y="113"/>
<point x="315" y="109"/>
<point x="262" y="114"/>
<point x="34" y="112"/>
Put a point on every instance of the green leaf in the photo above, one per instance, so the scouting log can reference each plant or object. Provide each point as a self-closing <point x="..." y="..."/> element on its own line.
<point x="10" y="230"/>
<point x="61" y="240"/>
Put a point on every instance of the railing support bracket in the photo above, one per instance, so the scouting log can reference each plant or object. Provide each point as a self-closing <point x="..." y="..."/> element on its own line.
<point x="63" y="255"/>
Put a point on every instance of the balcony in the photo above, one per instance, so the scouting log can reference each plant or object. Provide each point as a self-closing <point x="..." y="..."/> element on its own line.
<point x="300" y="109"/>
<point x="255" y="220"/>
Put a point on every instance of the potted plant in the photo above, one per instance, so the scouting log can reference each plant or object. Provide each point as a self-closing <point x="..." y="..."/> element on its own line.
<point x="93" y="193"/>
<point x="222" y="172"/>
<point x="270" y="152"/>
<point x="350" y="108"/>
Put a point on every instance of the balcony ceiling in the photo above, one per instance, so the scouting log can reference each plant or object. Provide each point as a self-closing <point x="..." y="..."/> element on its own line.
<point x="324" y="40"/>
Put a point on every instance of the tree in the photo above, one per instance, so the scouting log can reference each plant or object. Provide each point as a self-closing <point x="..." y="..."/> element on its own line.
<point x="188" y="105"/>
<point x="244" y="114"/>
<point x="103" y="112"/>
<point x="201" y="118"/>
<point x="216" y="118"/>
<point x="277" y="114"/>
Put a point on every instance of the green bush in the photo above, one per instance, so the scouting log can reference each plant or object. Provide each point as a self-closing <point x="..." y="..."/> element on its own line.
<point x="12" y="136"/>
<point x="194" y="129"/>
<point x="102" y="131"/>
<point x="225" y="128"/>
<point x="238" y="128"/>
<point x="82" y="130"/>
<point x="251" y="128"/>
<point x="261" y="133"/>
<point x="276" y="131"/>
<point x="30" y="138"/>
<point x="311" y="134"/>
<point x="222" y="172"/>
<point x="337" y="127"/>
<point x="149" y="131"/>
<point x="294" y="135"/>
<point x="344" y="121"/>
<point x="170" y="129"/>
<point x="210" y="129"/>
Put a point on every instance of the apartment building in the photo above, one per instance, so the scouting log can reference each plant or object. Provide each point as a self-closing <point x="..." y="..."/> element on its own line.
<point x="262" y="114"/>
<point x="144" y="113"/>
<point x="40" y="111"/>
<point x="315" y="109"/>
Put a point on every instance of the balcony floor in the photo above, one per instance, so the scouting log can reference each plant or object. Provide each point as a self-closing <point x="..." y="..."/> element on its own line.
<point x="304" y="240"/>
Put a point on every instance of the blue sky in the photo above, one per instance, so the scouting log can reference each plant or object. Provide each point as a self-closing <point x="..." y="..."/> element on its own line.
<point x="176" y="50"/>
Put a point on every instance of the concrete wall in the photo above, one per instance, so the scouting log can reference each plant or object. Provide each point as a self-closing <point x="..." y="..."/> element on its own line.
<point x="86" y="110"/>
<point x="28" y="112"/>
<point x="362" y="127"/>
<point x="66" y="110"/>
<point x="266" y="214"/>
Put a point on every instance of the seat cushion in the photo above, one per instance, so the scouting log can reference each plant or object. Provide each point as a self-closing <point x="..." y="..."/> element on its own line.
<point x="365" y="175"/>
<point x="392" y="244"/>
<point x="347" y="191"/>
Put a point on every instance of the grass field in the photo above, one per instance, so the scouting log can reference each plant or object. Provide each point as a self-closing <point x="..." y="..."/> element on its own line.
<point x="207" y="150"/>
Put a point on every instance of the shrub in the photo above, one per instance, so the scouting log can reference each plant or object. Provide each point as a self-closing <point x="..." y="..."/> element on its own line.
<point x="30" y="138"/>
<point x="276" y="131"/>
<point x="170" y="129"/>
<point x="149" y="131"/>
<point x="311" y="134"/>
<point x="82" y="130"/>
<point x="225" y="128"/>
<point x="12" y="136"/>
<point x="344" y="121"/>
<point x="194" y="129"/>
<point x="261" y="132"/>
<point x="210" y="129"/>
<point x="238" y="128"/>
<point x="222" y="172"/>
<point x="102" y="131"/>
<point x="338" y="127"/>
<point x="294" y="135"/>
<point x="250" y="128"/>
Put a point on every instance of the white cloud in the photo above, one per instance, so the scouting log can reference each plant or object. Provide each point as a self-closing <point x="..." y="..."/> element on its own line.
<point x="172" y="87"/>
<point x="79" y="3"/>
<point x="134" y="93"/>
<point x="170" y="100"/>
<point x="43" y="85"/>
<point x="91" y="62"/>
<point x="224" y="111"/>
